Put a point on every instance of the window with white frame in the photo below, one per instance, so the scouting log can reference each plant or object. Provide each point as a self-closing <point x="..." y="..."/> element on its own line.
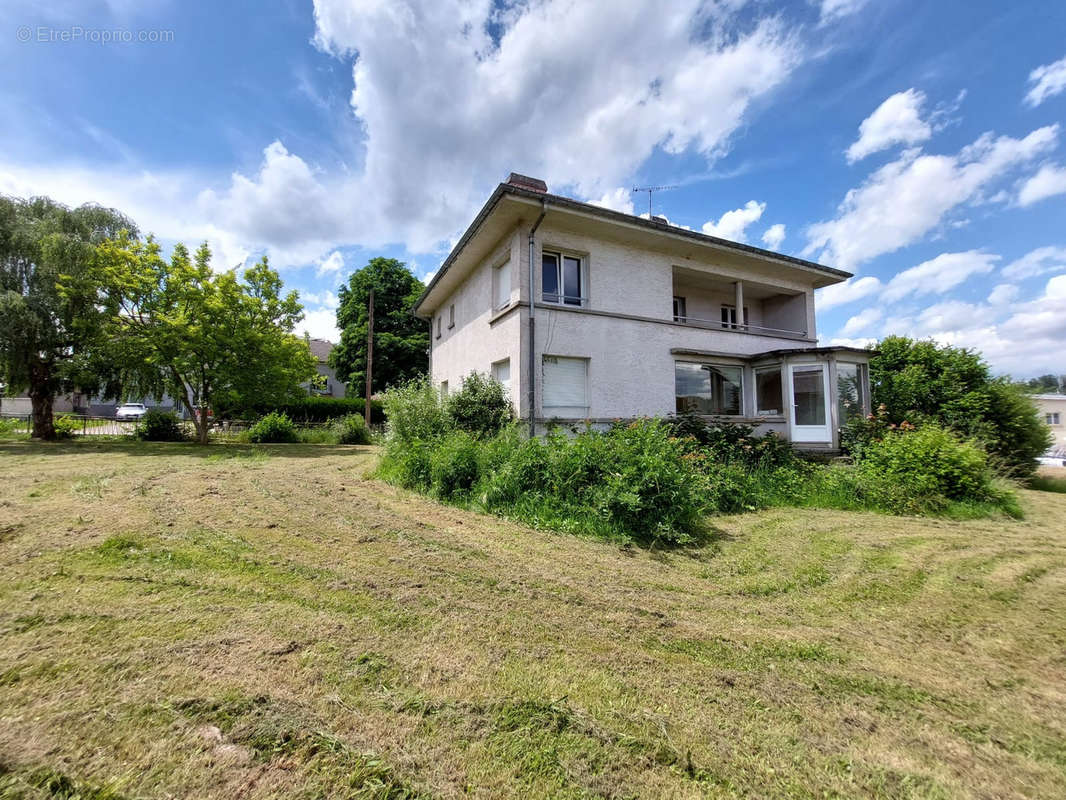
<point x="851" y="391"/>
<point x="679" y="310"/>
<point x="729" y="316"/>
<point x="444" y="389"/>
<point x="562" y="279"/>
<point x="565" y="389"/>
<point x="715" y="389"/>
<point x="769" y="392"/>
<point x="501" y="371"/>
<point x="1052" y="418"/>
<point x="501" y="285"/>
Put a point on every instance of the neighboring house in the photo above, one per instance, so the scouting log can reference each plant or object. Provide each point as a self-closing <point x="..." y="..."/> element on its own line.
<point x="629" y="316"/>
<point x="1053" y="411"/>
<point x="81" y="403"/>
<point x="325" y="383"/>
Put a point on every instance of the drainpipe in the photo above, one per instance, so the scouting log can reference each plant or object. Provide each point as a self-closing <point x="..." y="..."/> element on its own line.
<point x="532" y="339"/>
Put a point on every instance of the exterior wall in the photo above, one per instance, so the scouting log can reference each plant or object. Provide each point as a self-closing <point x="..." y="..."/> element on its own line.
<point x="1049" y="404"/>
<point x="482" y="335"/>
<point x="335" y="388"/>
<point x="626" y="329"/>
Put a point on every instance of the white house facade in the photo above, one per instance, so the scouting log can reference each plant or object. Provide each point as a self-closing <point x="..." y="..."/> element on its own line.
<point x="1053" y="411"/>
<point x="622" y="316"/>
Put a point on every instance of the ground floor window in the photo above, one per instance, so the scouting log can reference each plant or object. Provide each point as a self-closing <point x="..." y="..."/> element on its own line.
<point x="444" y="389"/>
<point x="501" y="371"/>
<point x="565" y="391"/>
<point x="851" y="391"/>
<point x="769" y="392"/>
<point x="808" y="395"/>
<point x="708" y="388"/>
<point x="1052" y="418"/>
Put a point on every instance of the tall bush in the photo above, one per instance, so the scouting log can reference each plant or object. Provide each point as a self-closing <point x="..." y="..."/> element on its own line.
<point x="273" y="428"/>
<point x="480" y="407"/>
<point x="159" y="426"/>
<point x="415" y="412"/>
<point x="920" y="381"/>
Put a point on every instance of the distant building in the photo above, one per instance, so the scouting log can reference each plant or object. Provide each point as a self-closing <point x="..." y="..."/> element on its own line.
<point x="325" y="383"/>
<point x="1053" y="411"/>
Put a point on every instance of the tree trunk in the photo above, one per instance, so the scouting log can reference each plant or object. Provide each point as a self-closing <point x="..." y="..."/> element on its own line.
<point x="41" y="399"/>
<point x="202" y="425"/>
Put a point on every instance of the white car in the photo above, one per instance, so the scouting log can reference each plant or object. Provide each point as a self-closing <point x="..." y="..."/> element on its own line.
<point x="1051" y="461"/>
<point x="130" y="411"/>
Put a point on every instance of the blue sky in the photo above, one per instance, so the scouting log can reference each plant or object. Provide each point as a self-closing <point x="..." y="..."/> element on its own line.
<point x="920" y="145"/>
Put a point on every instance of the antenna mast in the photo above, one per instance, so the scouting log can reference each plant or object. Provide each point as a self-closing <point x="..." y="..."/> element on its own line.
<point x="649" y="190"/>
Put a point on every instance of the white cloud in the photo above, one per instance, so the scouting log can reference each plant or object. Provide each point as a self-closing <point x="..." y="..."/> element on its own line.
<point x="1023" y="338"/>
<point x="1047" y="81"/>
<point x="939" y="274"/>
<point x="831" y="10"/>
<point x="898" y="120"/>
<point x="1037" y="262"/>
<point x="847" y="292"/>
<point x="862" y="321"/>
<point x="1003" y="294"/>
<point x="905" y="199"/>
<point x="449" y="96"/>
<point x="774" y="235"/>
<point x="326" y="299"/>
<point x="331" y="264"/>
<point x="731" y="224"/>
<point x="320" y="324"/>
<point x="619" y="199"/>
<point x="1049" y="181"/>
<point x="429" y="277"/>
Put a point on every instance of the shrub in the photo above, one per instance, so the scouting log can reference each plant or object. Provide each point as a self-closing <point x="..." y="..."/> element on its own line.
<point x="930" y="462"/>
<point x="66" y="426"/>
<point x="159" y="426"/>
<point x="9" y="425"/>
<point x="414" y="412"/>
<point x="731" y="443"/>
<point x="952" y="387"/>
<point x="351" y="429"/>
<point x="274" y="427"/>
<point x="480" y="406"/>
<point x="453" y="465"/>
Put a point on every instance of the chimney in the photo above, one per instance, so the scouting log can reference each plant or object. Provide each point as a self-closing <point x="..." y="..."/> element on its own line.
<point x="527" y="183"/>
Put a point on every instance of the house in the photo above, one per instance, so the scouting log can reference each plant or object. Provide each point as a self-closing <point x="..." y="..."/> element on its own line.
<point x="325" y="383"/>
<point x="588" y="314"/>
<point x="1053" y="411"/>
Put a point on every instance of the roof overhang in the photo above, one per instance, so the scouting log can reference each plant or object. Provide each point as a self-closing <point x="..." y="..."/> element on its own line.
<point x="510" y="207"/>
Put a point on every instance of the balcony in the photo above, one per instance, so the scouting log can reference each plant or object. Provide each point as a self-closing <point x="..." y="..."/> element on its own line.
<point x="709" y="301"/>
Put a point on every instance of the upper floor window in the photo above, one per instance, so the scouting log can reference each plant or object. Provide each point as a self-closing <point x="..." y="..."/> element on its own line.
<point x="438" y="325"/>
<point x="1052" y="418"/>
<point x="501" y="285"/>
<point x="679" y="310"/>
<point x="729" y="316"/>
<point x="451" y="315"/>
<point x="562" y="280"/>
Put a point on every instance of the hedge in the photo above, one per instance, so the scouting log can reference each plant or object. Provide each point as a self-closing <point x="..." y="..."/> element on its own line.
<point x="312" y="409"/>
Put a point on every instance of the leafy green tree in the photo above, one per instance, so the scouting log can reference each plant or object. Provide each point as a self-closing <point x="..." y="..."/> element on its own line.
<point x="920" y="381"/>
<point x="49" y="315"/>
<point x="1047" y="384"/>
<point x="401" y="340"/>
<point x="209" y="338"/>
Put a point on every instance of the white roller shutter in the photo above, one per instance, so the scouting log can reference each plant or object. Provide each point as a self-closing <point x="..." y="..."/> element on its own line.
<point x="565" y="387"/>
<point x="501" y="371"/>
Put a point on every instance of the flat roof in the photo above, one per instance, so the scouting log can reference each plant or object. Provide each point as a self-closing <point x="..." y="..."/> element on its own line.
<point x="653" y="225"/>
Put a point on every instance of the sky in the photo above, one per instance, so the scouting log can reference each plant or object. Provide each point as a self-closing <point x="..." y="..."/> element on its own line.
<point x="921" y="146"/>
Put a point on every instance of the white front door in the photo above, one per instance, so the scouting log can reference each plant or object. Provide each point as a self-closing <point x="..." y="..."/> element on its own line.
<point x="808" y="387"/>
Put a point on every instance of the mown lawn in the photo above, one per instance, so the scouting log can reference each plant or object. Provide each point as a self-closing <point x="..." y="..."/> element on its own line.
<point x="264" y="622"/>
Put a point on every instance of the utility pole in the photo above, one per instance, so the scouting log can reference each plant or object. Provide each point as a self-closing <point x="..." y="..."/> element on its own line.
<point x="369" y="357"/>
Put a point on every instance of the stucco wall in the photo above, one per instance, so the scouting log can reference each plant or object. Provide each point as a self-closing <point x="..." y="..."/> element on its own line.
<point x="481" y="335"/>
<point x="1049" y="405"/>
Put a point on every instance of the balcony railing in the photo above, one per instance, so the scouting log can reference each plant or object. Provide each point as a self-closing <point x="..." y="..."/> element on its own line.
<point x="717" y="324"/>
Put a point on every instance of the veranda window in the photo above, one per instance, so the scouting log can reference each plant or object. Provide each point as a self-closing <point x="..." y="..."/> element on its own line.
<point x="708" y="388"/>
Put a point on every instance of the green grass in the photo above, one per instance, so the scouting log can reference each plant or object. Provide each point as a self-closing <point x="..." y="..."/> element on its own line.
<point x="237" y="621"/>
<point x="1048" y="483"/>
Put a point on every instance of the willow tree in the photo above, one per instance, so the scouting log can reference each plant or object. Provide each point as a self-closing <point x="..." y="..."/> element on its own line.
<point x="210" y="339"/>
<point x="50" y="314"/>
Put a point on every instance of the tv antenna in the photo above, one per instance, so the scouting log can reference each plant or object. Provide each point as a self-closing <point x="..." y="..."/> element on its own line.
<point x="649" y="190"/>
